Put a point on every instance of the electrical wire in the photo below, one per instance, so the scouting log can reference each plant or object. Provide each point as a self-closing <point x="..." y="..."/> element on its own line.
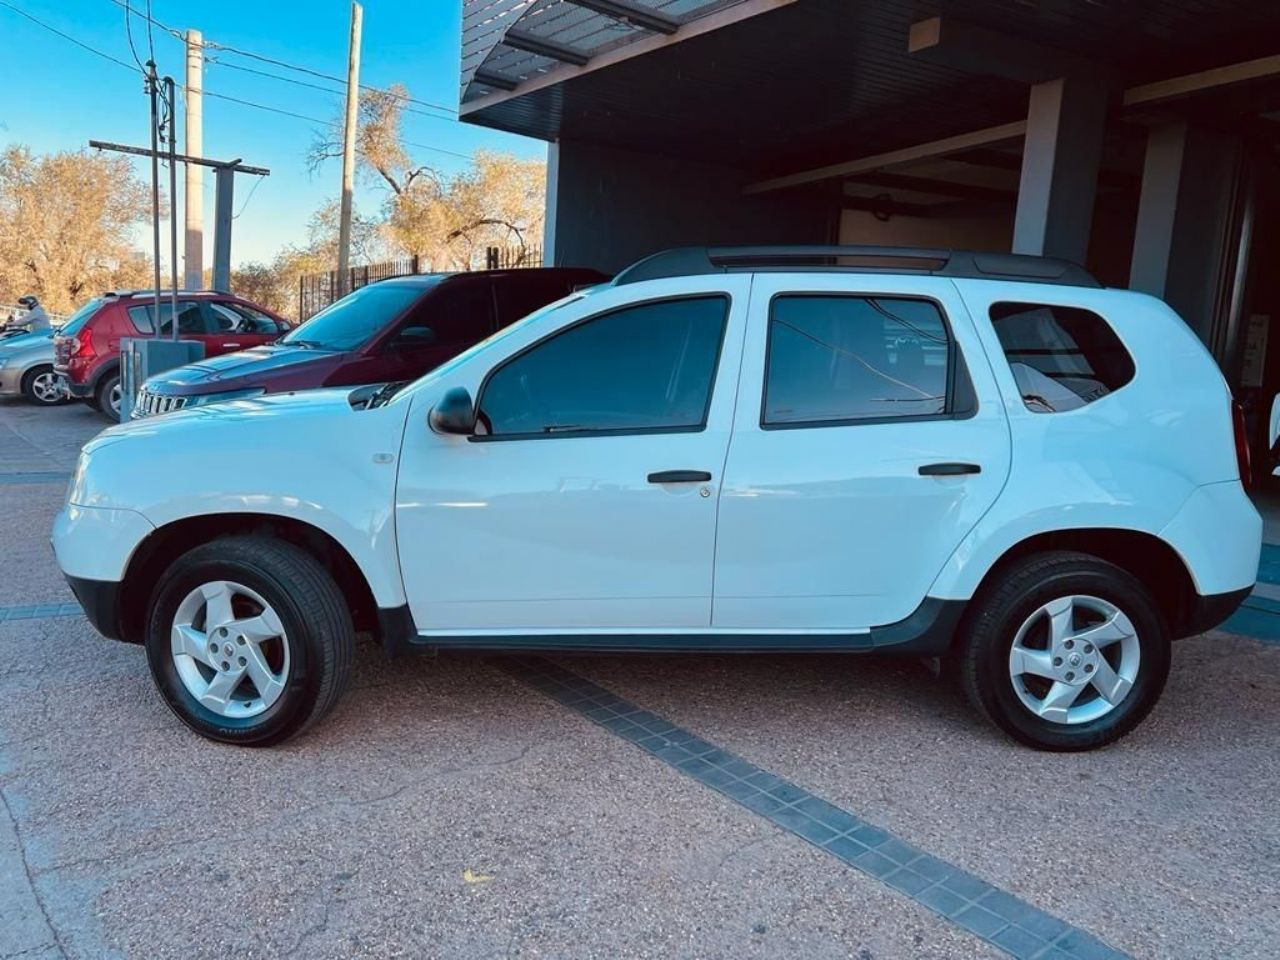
<point x="315" y="86"/>
<point x="128" y="32"/>
<point x="66" y="36"/>
<point x="151" y="40"/>
<point x="252" y="190"/>
<point x="327" y="76"/>
<point x="213" y="45"/>
<point x="208" y="93"/>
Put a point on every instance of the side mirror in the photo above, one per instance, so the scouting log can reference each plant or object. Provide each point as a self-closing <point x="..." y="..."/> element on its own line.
<point x="455" y="413"/>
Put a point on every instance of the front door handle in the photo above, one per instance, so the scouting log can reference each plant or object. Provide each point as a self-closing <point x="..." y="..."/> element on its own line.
<point x="948" y="469"/>
<point x="680" y="476"/>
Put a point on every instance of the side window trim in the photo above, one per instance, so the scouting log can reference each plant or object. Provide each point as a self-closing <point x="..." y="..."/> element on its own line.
<point x="961" y="400"/>
<point x="626" y="431"/>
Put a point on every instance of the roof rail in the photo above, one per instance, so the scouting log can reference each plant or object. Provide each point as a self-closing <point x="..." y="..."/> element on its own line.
<point x="692" y="261"/>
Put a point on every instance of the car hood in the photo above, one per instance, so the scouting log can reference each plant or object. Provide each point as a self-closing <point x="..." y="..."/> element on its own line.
<point x="330" y="402"/>
<point x="31" y="345"/>
<point x="226" y="370"/>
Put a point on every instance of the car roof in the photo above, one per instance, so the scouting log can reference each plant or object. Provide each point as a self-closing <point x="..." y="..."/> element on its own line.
<point x="969" y="264"/>
<point x="523" y="273"/>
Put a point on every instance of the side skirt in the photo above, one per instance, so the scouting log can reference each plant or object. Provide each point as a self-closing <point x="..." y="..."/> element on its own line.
<point x="928" y="631"/>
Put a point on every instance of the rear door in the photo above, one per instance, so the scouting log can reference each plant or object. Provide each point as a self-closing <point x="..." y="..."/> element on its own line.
<point x="869" y="439"/>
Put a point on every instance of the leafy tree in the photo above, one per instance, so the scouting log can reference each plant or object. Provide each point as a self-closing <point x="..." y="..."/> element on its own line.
<point x="66" y="226"/>
<point x="449" y="220"/>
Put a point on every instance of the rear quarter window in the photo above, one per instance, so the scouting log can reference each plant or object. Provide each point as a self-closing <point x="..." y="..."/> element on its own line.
<point x="1062" y="358"/>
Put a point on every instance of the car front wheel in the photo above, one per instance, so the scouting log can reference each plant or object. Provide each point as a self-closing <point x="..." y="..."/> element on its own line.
<point x="41" y="385"/>
<point x="1064" y="652"/>
<point x="249" y="640"/>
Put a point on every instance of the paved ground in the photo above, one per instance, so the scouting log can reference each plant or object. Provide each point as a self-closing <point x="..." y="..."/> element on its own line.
<point x="470" y="807"/>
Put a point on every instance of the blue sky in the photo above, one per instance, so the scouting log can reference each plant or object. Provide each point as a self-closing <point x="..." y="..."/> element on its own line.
<point x="55" y="96"/>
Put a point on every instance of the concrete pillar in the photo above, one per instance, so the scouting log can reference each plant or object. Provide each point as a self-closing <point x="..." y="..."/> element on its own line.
<point x="1066" y="119"/>
<point x="1184" y="225"/>
<point x="552" y="204"/>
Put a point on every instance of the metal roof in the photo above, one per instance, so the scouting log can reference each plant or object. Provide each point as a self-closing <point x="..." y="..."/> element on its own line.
<point x="813" y="81"/>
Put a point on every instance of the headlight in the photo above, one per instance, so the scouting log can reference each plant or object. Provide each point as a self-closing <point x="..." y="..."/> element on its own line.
<point x="3" y="361"/>
<point x="199" y="400"/>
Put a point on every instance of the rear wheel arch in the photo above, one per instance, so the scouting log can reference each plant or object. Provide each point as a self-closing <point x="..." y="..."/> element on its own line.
<point x="165" y="544"/>
<point x="1152" y="561"/>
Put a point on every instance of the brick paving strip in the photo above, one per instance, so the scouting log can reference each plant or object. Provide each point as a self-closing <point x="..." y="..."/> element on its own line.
<point x="1001" y="919"/>
<point x="39" y="611"/>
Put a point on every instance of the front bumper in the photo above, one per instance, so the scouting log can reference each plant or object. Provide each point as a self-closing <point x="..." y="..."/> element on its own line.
<point x="10" y="381"/>
<point x="100" y="600"/>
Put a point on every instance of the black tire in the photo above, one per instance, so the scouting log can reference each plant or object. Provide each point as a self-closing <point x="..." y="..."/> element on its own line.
<point x="102" y="396"/>
<point x="1000" y="609"/>
<point x="312" y="609"/>
<point x="29" y="386"/>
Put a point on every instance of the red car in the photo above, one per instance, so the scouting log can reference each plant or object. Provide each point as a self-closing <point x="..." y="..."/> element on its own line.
<point x="390" y="331"/>
<point x="87" y="349"/>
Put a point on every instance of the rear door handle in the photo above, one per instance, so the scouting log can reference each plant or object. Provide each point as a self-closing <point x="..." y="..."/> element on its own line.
<point x="680" y="476"/>
<point x="231" y="344"/>
<point x="948" y="469"/>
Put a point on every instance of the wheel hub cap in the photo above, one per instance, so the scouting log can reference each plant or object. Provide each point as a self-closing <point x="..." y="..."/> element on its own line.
<point x="1074" y="659"/>
<point x="230" y="649"/>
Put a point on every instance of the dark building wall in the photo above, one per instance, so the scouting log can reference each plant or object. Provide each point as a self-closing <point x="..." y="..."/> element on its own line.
<point x="611" y="207"/>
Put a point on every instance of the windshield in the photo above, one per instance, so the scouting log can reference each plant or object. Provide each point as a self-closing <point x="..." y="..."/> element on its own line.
<point x="359" y="315"/>
<point x="77" y="319"/>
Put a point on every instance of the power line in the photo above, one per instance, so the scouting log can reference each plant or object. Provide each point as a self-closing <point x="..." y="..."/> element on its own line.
<point x="151" y="40"/>
<point x="315" y="86"/>
<point x="213" y="45"/>
<point x="66" y="36"/>
<point x="326" y="76"/>
<point x="128" y="32"/>
<point x="208" y="93"/>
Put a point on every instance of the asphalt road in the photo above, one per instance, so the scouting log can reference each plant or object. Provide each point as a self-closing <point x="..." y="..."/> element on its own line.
<point x="448" y="809"/>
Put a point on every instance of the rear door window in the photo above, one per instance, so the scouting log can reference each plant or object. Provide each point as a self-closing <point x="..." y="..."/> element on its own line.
<point x="191" y="319"/>
<point x="843" y="359"/>
<point x="1062" y="358"/>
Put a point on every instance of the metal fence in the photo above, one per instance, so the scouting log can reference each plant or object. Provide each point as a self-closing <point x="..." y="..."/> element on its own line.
<point x="317" y="291"/>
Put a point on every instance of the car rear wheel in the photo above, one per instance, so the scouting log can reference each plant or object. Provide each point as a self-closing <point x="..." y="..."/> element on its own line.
<point x="41" y="385"/>
<point x="1064" y="652"/>
<point x="107" y="397"/>
<point x="249" y="640"/>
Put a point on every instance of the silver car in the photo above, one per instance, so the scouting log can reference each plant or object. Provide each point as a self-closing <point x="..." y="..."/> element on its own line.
<point x="26" y="369"/>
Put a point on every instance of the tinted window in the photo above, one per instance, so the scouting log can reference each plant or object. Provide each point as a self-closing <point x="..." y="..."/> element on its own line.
<point x="191" y="319"/>
<point x="1061" y="357"/>
<point x="359" y="315"/>
<point x="239" y="318"/>
<point x="648" y="367"/>
<point x="854" y="358"/>
<point x="520" y="296"/>
<point x="458" y="313"/>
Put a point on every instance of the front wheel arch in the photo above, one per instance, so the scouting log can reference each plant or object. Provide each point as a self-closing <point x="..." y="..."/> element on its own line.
<point x="165" y="544"/>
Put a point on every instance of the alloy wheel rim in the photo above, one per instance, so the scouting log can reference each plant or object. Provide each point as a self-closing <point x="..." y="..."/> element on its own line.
<point x="113" y="398"/>
<point x="1074" y="659"/>
<point x="45" y="388"/>
<point x="230" y="649"/>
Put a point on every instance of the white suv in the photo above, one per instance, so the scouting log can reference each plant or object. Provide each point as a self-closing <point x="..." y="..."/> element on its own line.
<point x="982" y="457"/>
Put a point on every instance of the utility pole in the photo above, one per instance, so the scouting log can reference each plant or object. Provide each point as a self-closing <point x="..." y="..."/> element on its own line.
<point x="171" y="133"/>
<point x="349" y="147"/>
<point x="153" y="91"/>
<point x="193" y="256"/>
